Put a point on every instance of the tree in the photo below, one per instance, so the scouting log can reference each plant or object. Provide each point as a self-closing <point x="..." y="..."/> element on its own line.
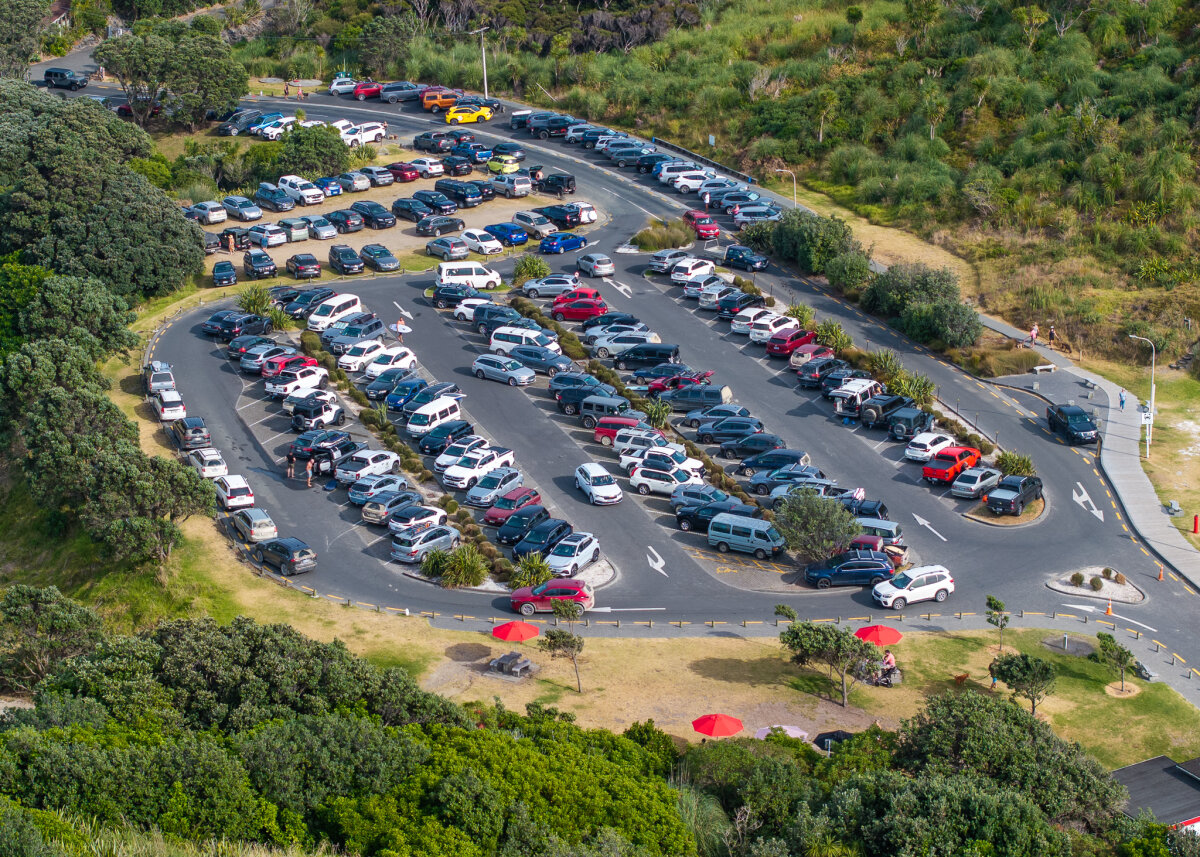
<point x="849" y="272"/>
<point x="1115" y="656"/>
<point x="40" y="629"/>
<point x="998" y="617"/>
<point x="563" y="644"/>
<point x="921" y="14"/>
<point x="659" y="746"/>
<point x="20" y="34"/>
<point x="904" y="284"/>
<point x="385" y="41"/>
<point x="854" y="17"/>
<point x="786" y="611"/>
<point x="832" y="334"/>
<point x="568" y="611"/>
<point x="1031" y="19"/>
<point x="313" y="151"/>
<point x="815" y="527"/>
<point x="203" y="76"/>
<point x="1030" y="677"/>
<point x="658" y="413"/>
<point x="836" y="648"/>
<point x="141" y="63"/>
<point x="255" y="299"/>
<point x="827" y="105"/>
<point x="933" y="106"/>
<point x="560" y="49"/>
<point x="811" y="240"/>
<point x="82" y="311"/>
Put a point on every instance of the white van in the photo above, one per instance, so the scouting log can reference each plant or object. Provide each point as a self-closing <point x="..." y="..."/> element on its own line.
<point x="333" y="309"/>
<point x="467" y="274"/>
<point x="505" y="339"/>
<point x="428" y="417"/>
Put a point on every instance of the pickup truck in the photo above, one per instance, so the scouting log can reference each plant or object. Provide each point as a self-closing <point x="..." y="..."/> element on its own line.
<point x="738" y="256"/>
<point x="301" y="190"/>
<point x="367" y="462"/>
<point x="474" y="466"/>
<point x="1013" y="494"/>
<point x="327" y="458"/>
<point x="951" y="461"/>
<point x="291" y="381"/>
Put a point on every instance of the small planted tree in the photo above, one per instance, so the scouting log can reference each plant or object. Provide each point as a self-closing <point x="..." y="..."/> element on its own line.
<point x="835" y="648"/>
<point x="997" y="616"/>
<point x="255" y="299"/>
<point x="785" y="611"/>
<point x="531" y="570"/>
<point x="832" y="334"/>
<point x="529" y="267"/>
<point x="563" y="644"/>
<point x="466" y="566"/>
<point x="815" y="527"/>
<point x="803" y="314"/>
<point x="658" y="413"/>
<point x="1114" y="655"/>
<point x="1014" y="464"/>
<point x="434" y="563"/>
<point x="1030" y="677"/>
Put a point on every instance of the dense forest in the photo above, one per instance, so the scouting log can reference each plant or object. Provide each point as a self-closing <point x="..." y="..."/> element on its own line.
<point x="253" y="734"/>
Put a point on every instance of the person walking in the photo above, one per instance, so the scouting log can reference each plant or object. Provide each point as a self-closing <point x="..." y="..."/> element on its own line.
<point x="291" y="465"/>
<point x="1121" y="399"/>
<point x="308" y="469"/>
<point x="1033" y="335"/>
<point x="287" y="90"/>
<point x="1050" y="337"/>
<point x="992" y="673"/>
<point x="299" y="92"/>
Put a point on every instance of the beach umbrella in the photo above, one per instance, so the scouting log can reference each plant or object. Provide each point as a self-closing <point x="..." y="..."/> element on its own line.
<point x="515" y="631"/>
<point x="880" y="635"/>
<point x="717" y="725"/>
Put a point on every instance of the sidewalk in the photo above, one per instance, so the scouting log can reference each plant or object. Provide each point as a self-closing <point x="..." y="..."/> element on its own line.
<point x="1120" y="455"/>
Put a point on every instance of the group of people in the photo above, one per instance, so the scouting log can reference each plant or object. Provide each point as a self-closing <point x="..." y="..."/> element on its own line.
<point x="1051" y="336"/>
<point x="287" y="91"/>
<point x="291" y="467"/>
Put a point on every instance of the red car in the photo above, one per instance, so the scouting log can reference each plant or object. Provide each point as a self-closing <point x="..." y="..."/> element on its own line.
<point x="661" y="385"/>
<point x="608" y="427"/>
<point x="518" y="498"/>
<point x="807" y="353"/>
<point x="540" y="599"/>
<point x="576" y="294"/>
<point x="785" y="342"/>
<point x="579" y="310"/>
<point x="367" y="89"/>
<point x="403" y="172"/>
<point x="286" y="361"/>
<point x="704" y="225"/>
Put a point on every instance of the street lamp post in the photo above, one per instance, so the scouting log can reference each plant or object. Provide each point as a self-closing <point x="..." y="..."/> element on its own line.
<point x="1153" y="360"/>
<point x="482" y="53"/>
<point x="795" y="200"/>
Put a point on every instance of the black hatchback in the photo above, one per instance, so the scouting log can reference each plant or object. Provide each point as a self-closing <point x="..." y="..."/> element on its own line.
<point x="772" y="459"/>
<point x="374" y="215"/>
<point x="519" y="524"/>
<point x="411" y="209"/>
<point x="452" y="294"/>
<point x="750" y="445"/>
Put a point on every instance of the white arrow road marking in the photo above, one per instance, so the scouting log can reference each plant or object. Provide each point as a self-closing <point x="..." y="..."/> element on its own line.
<point x="1087" y="608"/>
<point x="921" y="522"/>
<point x="656" y="561"/>
<point x="1085" y="502"/>
<point x="622" y="609"/>
<point x="403" y="311"/>
<point x="622" y="288"/>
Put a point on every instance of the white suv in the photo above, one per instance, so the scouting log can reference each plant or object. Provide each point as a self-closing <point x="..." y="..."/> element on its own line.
<point x="301" y="190"/>
<point x="927" y="583"/>
<point x="926" y="445"/>
<point x="233" y="492"/>
<point x="653" y="480"/>
<point x="691" y="181"/>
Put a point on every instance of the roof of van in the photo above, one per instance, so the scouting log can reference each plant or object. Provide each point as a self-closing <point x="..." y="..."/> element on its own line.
<point x="606" y="399"/>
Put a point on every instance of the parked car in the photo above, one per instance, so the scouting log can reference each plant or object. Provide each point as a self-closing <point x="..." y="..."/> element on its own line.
<point x="926" y="583"/>
<point x="562" y="242"/>
<point x="240" y="208"/>
<point x="950" y="461"/>
<point x="287" y="556"/>
<point x="509" y="503"/>
<point x="655" y="480"/>
<point x="303" y="265"/>
<point x="494" y="484"/>
<point x="257" y="264"/>
<point x="698" y="517"/>
<point x="344" y="260"/>
<point x="974" y="483"/>
<point x="233" y="492"/>
<point x="541" y="598"/>
<point x="852" y="568"/>
<point x="576" y="551"/>
<point x="411" y="545"/>
<point x="495" y="367"/>
<point x="597" y="265"/>
<point x="1013" y="494"/>
<point x="378" y="258"/>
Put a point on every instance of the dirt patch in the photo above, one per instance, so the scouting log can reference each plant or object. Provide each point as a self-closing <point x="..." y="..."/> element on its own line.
<point x="1114" y="690"/>
<point x="984" y="515"/>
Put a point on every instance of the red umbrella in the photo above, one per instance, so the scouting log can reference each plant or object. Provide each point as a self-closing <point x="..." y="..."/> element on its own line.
<point x="717" y="725"/>
<point x="515" y="631"/>
<point x="880" y="635"/>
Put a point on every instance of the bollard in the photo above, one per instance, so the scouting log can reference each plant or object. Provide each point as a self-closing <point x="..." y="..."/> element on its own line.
<point x="1064" y="642"/>
<point x="1195" y="524"/>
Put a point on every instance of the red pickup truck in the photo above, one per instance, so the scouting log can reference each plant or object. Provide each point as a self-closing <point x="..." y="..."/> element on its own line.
<point x="951" y="461"/>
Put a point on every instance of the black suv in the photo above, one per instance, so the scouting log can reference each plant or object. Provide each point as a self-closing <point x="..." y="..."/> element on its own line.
<point x="865" y="508"/>
<point x="812" y="373"/>
<point x="852" y="568"/>
<point x="452" y="294"/>
<point x="560" y="215"/>
<point x="411" y="209"/>
<point x="558" y="183"/>
<point x="438" y="202"/>
<point x="434" y="141"/>
<point x="311" y="441"/>
<point x="374" y="215"/>
<point x="437" y="225"/>
<point x="772" y="460"/>
<point x="519" y="524"/>
<point x="456" y="165"/>
<point x="1073" y="423"/>
<point x="64" y="78"/>
<point x="731" y="305"/>
<point x="556" y="127"/>
<point x="238" y="122"/>
<point x="647" y="354"/>
<point x="344" y="259"/>
<point x="488" y="317"/>
<point x="307" y="301"/>
<point x="190" y="433"/>
<point x="463" y="193"/>
<point x="699" y="517"/>
<point x="344" y="220"/>
<point x="751" y="445"/>
<point x="258" y="264"/>
<point x="243" y="324"/>
<point x="436" y="441"/>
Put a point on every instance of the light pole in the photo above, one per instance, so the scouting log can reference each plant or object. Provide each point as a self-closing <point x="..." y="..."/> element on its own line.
<point x="795" y="201"/>
<point x="483" y="53"/>
<point x="1153" y="359"/>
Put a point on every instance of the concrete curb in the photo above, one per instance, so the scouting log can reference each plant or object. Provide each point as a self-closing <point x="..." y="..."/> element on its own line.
<point x="1021" y="526"/>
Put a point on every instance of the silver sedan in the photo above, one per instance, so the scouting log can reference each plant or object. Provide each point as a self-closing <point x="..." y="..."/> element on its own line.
<point x="597" y="265"/>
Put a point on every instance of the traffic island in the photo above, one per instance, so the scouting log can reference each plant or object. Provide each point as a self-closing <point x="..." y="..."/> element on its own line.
<point x="1099" y="582"/>
<point x="983" y="515"/>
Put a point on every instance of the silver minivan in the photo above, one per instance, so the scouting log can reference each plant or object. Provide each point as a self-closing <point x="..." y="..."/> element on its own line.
<point x="729" y="532"/>
<point x="890" y="531"/>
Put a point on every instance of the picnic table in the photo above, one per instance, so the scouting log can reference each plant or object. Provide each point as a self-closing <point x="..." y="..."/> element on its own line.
<point x="514" y="664"/>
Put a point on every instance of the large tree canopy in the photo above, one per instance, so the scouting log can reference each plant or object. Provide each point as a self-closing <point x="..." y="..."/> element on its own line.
<point x="20" y="30"/>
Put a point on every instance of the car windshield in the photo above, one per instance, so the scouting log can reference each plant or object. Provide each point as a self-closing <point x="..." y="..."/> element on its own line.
<point x="419" y="419"/>
<point x="506" y="503"/>
<point x="1078" y="419"/>
<point x="510" y="366"/>
<point x="679" y="476"/>
<point x="774" y="534"/>
<point x="358" y="351"/>
<point x="604" y="479"/>
<point x="489" y="482"/>
<point x="901" y="581"/>
<point x="564" y="549"/>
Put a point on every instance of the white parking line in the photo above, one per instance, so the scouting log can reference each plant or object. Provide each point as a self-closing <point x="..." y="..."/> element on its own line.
<point x="881" y="443"/>
<point x="263" y="420"/>
<point x="248" y="404"/>
<point x="276" y="437"/>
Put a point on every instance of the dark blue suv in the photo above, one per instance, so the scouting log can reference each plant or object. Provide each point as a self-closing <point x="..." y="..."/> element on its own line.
<point x="403" y="393"/>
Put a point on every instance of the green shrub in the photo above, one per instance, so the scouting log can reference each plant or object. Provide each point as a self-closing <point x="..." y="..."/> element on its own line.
<point x="849" y="272"/>
<point x="529" y="267"/>
<point x="256" y="299"/>
<point x="426" y="475"/>
<point x="451" y="505"/>
<point x="1012" y="463"/>
<point x="663" y="235"/>
<point x="658" y="414"/>
<point x="904" y="285"/>
<point x="1107" y="572"/>
<point x="466" y="566"/>
<point x="833" y="335"/>
<point x="434" y="563"/>
<point x="502" y="568"/>
<point x="803" y="313"/>
<point x="531" y="570"/>
<point x="310" y="343"/>
<point x="360" y="398"/>
<point x="758" y="236"/>
<point x="1097" y="583"/>
<point x="463" y="516"/>
<point x="1077" y="578"/>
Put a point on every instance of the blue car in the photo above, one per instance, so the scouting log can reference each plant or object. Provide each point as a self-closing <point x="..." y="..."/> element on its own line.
<point x="508" y="234"/>
<point x="404" y="393"/>
<point x="561" y="242"/>
<point x="476" y="153"/>
<point x="263" y="122"/>
<point x="329" y="185"/>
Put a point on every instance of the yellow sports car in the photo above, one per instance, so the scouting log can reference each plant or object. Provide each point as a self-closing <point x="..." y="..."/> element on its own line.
<point x="501" y="164"/>
<point x="458" y="115"/>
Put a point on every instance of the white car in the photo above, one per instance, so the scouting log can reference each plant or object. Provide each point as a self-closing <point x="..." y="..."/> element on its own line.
<point x="661" y="458"/>
<point x="428" y="167"/>
<point x="360" y="355"/>
<point x="168" y="405"/>
<point x="465" y="311"/>
<point x="654" y="480"/>
<point x="748" y="214"/>
<point x="598" y="485"/>
<point x="266" y="235"/>
<point x="208" y="463"/>
<point x="688" y="268"/>
<point x="573" y="553"/>
<point x="457" y="450"/>
<point x="417" y="518"/>
<point x="742" y="321"/>
<point x="669" y="171"/>
<point x="302" y="381"/>
<point x="534" y="223"/>
<point x="713" y="185"/>
<point x="476" y="464"/>
<point x="301" y="190"/>
<point x="688" y="182"/>
<point x="367" y="462"/>
<point x="368" y="132"/>
<point x="342" y="85"/>
<point x="926" y="445"/>
<point x="764" y="328"/>
<point x="341" y="125"/>
<point x="277" y="128"/>
<point x="695" y="287"/>
<point x="319" y="228"/>
<point x="210" y="212"/>
<point x="233" y="492"/>
<point x="293" y="399"/>
<point x="925" y="583"/>
<point x="587" y="211"/>
<point x="711" y="296"/>
<point x="481" y="242"/>
<point x="396" y="356"/>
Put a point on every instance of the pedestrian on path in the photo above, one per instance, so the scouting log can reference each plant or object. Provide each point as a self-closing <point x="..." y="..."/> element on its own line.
<point x="1050" y="337"/>
<point x="287" y="90"/>
<point x="992" y="673"/>
<point x="1033" y="334"/>
<point x="1121" y="398"/>
<point x="291" y="462"/>
<point x="308" y="469"/>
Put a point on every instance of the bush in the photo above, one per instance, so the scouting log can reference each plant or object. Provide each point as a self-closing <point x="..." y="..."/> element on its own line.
<point x="947" y="322"/>
<point x="663" y="235"/>
<point x="531" y="570"/>
<point x="904" y="285"/>
<point x="658" y="414"/>
<point x="1077" y="579"/>
<point x="811" y="241"/>
<point x="1014" y="464"/>
<point x="848" y="272"/>
<point x="758" y="236"/>
<point x="255" y="299"/>
<point x="1097" y="583"/>
<point x="529" y="267"/>
<point x="466" y="566"/>
<point x="833" y="335"/>
<point x="803" y="313"/>
<point x="434" y="563"/>
<point x="463" y="516"/>
<point x="310" y="343"/>
<point x="1119" y="578"/>
<point x="1107" y="572"/>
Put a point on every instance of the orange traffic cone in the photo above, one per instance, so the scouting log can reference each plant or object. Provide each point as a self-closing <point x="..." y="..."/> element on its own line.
<point x="1108" y="612"/>
<point x="1160" y="572"/>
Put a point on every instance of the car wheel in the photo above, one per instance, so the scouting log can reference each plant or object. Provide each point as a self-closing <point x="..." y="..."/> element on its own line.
<point x="706" y="438"/>
<point x="545" y="135"/>
<point x="533" y="293"/>
<point x="1020" y="510"/>
<point x="512" y="382"/>
<point x="482" y="329"/>
<point x="589" y="422"/>
<point x="258" y="557"/>
<point x="341" y="418"/>
<point x="559" y="317"/>
<point x="572" y="571"/>
<point x="479" y="374"/>
<point x="728" y="453"/>
<point x="621" y="365"/>
<point x="748" y="471"/>
<point x="323" y="383"/>
<point x="435" y="110"/>
<point x="823" y="583"/>
<point x="441" y="304"/>
<point x="570" y="410"/>
<point x="643" y="489"/>
<point x="551" y="372"/>
<point x="722" y="547"/>
<point x="527" y="609"/>
<point x="454" y="121"/>
<point x="875" y="581"/>
<point x="601" y="352"/>
<point x="684" y="524"/>
<point x="437" y="233"/>
<point x="621" y="164"/>
<point x="471" y="483"/>
<point x="899" y="604"/>
<point x="391" y="99"/>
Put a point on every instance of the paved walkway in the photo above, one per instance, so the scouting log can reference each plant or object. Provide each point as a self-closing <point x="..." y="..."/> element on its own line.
<point x="1120" y="450"/>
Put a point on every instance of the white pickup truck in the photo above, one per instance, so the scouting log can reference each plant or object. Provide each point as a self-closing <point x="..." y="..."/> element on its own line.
<point x="301" y="190"/>
<point x="474" y="466"/>
<point x="661" y="457"/>
<point x="366" y="462"/>
<point x="291" y="381"/>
